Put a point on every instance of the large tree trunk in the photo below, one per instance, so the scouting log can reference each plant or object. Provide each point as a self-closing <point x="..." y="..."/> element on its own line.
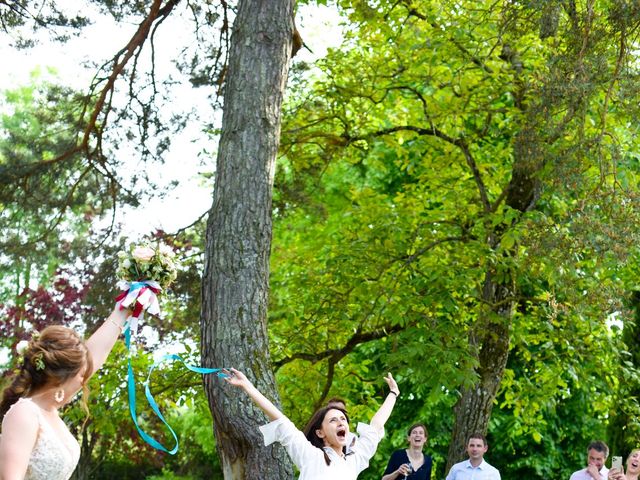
<point x="236" y="275"/>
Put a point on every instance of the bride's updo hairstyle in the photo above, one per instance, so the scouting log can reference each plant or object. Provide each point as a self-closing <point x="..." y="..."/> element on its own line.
<point x="51" y="358"/>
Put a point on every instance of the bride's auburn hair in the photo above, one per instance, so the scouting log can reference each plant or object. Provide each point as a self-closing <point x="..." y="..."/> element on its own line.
<point x="54" y="356"/>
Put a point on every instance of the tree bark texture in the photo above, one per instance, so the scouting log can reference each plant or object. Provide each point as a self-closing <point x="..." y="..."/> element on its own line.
<point x="236" y="272"/>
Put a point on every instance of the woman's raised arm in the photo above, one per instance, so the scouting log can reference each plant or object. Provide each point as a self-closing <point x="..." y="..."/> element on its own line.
<point x="238" y="379"/>
<point x="384" y="412"/>
<point x="104" y="338"/>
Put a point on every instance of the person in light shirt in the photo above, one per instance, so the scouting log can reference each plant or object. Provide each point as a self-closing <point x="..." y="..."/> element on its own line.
<point x="475" y="468"/>
<point x="597" y="453"/>
<point x="320" y="452"/>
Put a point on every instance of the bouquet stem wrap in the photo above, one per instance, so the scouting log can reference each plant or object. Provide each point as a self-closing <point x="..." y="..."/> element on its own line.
<point x="139" y="297"/>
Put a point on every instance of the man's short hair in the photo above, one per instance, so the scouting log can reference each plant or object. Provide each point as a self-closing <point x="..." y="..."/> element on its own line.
<point x="477" y="436"/>
<point x="599" y="446"/>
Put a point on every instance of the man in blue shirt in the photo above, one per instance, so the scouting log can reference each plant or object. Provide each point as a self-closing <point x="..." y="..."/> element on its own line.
<point x="475" y="468"/>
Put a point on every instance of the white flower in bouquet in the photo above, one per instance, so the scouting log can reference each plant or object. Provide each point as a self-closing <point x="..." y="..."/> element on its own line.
<point x="166" y="250"/>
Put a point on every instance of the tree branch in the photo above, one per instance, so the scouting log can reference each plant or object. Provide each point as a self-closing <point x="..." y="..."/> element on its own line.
<point x="338" y="353"/>
<point x="433" y="131"/>
<point x="477" y="61"/>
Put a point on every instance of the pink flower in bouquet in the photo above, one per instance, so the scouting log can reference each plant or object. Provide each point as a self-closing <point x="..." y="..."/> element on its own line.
<point x="143" y="254"/>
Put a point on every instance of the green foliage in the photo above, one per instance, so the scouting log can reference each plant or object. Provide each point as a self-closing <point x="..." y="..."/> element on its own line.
<point x="197" y="458"/>
<point x="20" y="19"/>
<point x="396" y="197"/>
<point x="169" y="475"/>
<point x="392" y="206"/>
<point x="109" y="436"/>
<point x="41" y="192"/>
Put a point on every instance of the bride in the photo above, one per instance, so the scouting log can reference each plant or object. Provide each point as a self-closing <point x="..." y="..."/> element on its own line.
<point x="35" y="443"/>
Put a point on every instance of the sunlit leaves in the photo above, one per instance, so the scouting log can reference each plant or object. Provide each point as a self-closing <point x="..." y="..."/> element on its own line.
<point x="396" y="170"/>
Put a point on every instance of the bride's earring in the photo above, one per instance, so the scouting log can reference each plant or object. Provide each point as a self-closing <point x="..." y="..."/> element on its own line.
<point x="59" y="395"/>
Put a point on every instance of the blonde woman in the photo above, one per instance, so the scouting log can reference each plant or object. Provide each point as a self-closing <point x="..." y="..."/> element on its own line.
<point x="633" y="468"/>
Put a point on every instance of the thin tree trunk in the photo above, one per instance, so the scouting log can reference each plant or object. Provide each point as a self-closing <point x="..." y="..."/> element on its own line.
<point x="473" y="409"/>
<point x="236" y="276"/>
<point x="491" y="337"/>
<point x="86" y="463"/>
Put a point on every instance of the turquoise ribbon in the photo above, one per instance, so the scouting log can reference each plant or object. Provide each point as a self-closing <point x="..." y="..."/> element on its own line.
<point x="147" y="391"/>
<point x="136" y="285"/>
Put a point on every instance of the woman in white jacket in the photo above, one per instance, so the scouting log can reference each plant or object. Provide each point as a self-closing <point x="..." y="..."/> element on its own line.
<point x="319" y="452"/>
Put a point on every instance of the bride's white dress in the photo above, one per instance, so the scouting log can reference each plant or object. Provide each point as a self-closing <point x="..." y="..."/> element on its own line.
<point x="52" y="457"/>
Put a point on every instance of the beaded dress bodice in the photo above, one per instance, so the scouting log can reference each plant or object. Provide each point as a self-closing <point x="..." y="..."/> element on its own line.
<point x="52" y="457"/>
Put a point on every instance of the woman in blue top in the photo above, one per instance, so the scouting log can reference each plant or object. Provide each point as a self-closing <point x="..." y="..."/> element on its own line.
<point x="411" y="463"/>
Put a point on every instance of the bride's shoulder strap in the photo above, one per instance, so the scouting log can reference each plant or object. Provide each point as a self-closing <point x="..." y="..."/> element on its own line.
<point x="23" y="418"/>
<point x="24" y="407"/>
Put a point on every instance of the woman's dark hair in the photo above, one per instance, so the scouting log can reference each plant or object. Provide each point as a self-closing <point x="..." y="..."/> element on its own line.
<point x="54" y="356"/>
<point x="315" y="424"/>
<point x="336" y="401"/>
<point x="416" y="425"/>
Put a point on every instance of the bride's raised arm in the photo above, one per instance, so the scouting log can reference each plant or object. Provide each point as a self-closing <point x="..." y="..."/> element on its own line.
<point x="104" y="338"/>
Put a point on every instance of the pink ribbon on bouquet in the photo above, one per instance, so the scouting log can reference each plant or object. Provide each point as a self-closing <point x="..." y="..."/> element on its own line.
<point x="140" y="297"/>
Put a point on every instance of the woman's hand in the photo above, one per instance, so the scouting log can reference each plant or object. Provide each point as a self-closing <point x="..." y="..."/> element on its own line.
<point x="382" y="415"/>
<point x="236" y="378"/>
<point x="616" y="474"/>
<point x="393" y="386"/>
<point x="405" y="469"/>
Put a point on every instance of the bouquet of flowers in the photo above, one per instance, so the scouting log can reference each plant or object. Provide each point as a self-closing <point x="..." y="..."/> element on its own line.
<point x="144" y="262"/>
<point x="144" y="271"/>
